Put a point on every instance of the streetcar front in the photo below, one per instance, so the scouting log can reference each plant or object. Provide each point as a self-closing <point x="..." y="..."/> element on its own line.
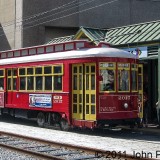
<point x="118" y="91"/>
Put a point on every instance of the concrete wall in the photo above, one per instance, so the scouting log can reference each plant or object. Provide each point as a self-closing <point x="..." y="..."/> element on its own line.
<point x="53" y="14"/>
<point x="44" y="19"/>
<point x="7" y="24"/>
<point x="119" y="13"/>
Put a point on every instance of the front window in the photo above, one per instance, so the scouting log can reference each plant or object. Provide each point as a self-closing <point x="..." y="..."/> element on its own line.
<point x="123" y="77"/>
<point x="107" y="74"/>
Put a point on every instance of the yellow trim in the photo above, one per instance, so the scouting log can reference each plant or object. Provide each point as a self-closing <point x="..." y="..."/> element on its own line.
<point x="78" y="36"/>
<point x="135" y="69"/>
<point x="141" y="92"/>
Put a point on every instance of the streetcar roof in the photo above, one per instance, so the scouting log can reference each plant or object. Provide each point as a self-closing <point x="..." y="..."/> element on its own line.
<point x="81" y="53"/>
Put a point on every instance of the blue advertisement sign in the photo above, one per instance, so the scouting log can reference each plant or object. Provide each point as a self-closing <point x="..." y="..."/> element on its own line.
<point x="40" y="100"/>
<point x="140" y="52"/>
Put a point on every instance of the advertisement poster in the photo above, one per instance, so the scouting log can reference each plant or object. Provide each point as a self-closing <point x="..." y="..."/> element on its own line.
<point x="40" y="100"/>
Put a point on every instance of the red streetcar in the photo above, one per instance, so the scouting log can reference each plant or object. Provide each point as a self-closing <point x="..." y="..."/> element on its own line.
<point x="70" y="84"/>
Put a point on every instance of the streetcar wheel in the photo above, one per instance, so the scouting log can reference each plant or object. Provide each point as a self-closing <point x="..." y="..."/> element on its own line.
<point x="41" y="119"/>
<point x="64" y="125"/>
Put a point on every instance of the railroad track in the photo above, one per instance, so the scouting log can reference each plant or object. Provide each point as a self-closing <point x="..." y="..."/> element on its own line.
<point x="44" y="149"/>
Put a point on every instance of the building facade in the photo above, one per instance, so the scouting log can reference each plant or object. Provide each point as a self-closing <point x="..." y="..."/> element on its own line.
<point x="34" y="22"/>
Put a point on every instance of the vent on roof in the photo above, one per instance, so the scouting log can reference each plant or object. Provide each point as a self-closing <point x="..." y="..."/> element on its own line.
<point x="152" y="50"/>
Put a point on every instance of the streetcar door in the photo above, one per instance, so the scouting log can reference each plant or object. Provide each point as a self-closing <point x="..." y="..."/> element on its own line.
<point x="140" y="90"/>
<point x="77" y="91"/>
<point x="11" y="85"/>
<point x="84" y="91"/>
<point x="90" y="91"/>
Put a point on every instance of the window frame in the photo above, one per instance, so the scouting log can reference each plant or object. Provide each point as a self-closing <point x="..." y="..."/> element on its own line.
<point x="106" y="66"/>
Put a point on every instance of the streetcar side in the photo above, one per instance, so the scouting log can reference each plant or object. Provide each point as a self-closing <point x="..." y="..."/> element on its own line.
<point x="69" y="88"/>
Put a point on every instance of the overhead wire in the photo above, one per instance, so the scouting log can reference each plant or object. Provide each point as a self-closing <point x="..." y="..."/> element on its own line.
<point x="79" y="5"/>
<point x="38" y="14"/>
<point x="55" y="9"/>
<point x="84" y="10"/>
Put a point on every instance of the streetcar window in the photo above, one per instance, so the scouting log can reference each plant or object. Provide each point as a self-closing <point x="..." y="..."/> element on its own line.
<point x="57" y="69"/>
<point x="45" y="78"/>
<point x="22" y="83"/>
<point x="93" y="109"/>
<point x="9" y="79"/>
<point x="38" y="70"/>
<point x="57" y="82"/>
<point x="93" y="85"/>
<point x="39" y="82"/>
<point x="75" y="70"/>
<point x="1" y="79"/>
<point x="87" y="69"/>
<point x="24" y="52"/>
<point x="75" y="82"/>
<point x="57" y="78"/>
<point x="80" y="108"/>
<point x="87" y="82"/>
<point x="1" y="73"/>
<point x="107" y="72"/>
<point x="59" y="47"/>
<point x="14" y="83"/>
<point x="30" y="83"/>
<point x="14" y="71"/>
<point x="87" y="109"/>
<point x="29" y="71"/>
<point x="123" y="77"/>
<point x="21" y="71"/>
<point x="80" y="82"/>
<point x="9" y="73"/>
<point x="17" y="53"/>
<point x="134" y="73"/>
<point x="1" y="83"/>
<point x="48" y="70"/>
<point x="74" y="108"/>
<point x="48" y="83"/>
<point x="9" y="83"/>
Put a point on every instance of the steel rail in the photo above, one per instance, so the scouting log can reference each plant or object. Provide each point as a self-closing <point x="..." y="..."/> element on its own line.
<point x="97" y="152"/>
<point x="32" y="153"/>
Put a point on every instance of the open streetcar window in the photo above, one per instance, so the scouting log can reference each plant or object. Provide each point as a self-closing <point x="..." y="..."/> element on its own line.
<point x="123" y="77"/>
<point x="2" y="79"/>
<point x="107" y="72"/>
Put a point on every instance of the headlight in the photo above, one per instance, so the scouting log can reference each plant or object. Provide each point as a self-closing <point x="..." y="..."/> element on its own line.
<point x="125" y="105"/>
